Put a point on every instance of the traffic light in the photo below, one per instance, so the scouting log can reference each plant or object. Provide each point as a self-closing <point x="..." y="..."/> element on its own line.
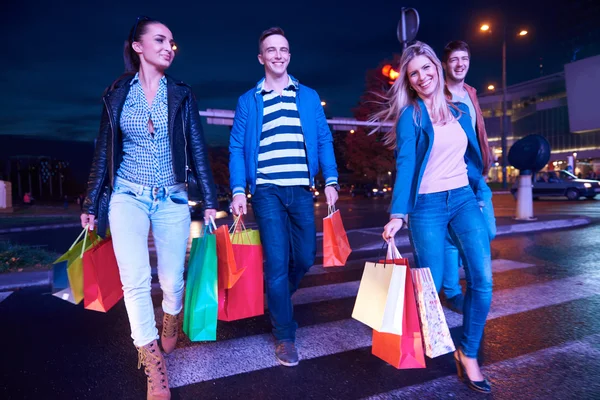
<point x="390" y="73"/>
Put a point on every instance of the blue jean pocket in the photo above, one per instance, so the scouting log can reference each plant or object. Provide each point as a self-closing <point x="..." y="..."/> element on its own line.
<point x="179" y="197"/>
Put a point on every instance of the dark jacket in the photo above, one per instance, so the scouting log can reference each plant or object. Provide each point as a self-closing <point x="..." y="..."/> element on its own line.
<point x="188" y="148"/>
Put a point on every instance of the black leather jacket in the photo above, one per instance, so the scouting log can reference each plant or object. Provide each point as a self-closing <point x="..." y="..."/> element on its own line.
<point x="188" y="148"/>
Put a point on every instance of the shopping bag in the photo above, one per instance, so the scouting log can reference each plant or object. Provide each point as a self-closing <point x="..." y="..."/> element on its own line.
<point x="380" y="299"/>
<point x="229" y="273"/>
<point x="436" y="334"/>
<point x="102" y="287"/>
<point x="201" y="297"/>
<point x="403" y="351"/>
<point x="73" y="268"/>
<point x="246" y="298"/>
<point x="336" y="247"/>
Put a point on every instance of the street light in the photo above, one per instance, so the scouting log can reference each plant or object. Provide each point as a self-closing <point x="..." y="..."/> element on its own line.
<point x="488" y="29"/>
<point x="491" y="87"/>
<point x="323" y="103"/>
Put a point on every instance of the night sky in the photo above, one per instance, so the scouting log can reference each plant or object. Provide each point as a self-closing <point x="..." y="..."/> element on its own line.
<point x="58" y="56"/>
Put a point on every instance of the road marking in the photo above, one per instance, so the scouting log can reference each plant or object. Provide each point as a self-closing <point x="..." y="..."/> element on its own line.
<point x="4" y="295"/>
<point x="533" y="368"/>
<point x="213" y="360"/>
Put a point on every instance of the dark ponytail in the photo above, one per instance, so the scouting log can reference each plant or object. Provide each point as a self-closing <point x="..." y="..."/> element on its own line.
<point x="130" y="57"/>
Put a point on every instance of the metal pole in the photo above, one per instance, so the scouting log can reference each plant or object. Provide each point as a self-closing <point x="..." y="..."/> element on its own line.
<point x="403" y="29"/>
<point x="503" y="124"/>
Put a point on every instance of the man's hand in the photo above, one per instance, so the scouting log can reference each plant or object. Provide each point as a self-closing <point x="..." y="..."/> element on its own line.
<point x="391" y="228"/>
<point x="331" y="195"/>
<point x="208" y="213"/>
<point x="87" y="220"/>
<point x="238" y="204"/>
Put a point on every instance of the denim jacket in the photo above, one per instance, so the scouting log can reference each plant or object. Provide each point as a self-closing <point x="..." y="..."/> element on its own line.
<point x="414" y="143"/>
<point x="247" y="128"/>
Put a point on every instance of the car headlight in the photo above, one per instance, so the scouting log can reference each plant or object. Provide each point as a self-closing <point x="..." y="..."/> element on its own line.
<point x="587" y="185"/>
<point x="384" y="190"/>
<point x="316" y="193"/>
<point x="375" y="190"/>
<point x="249" y="195"/>
<point x="192" y="203"/>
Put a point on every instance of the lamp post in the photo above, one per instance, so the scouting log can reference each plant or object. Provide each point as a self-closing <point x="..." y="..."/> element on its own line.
<point x="503" y="124"/>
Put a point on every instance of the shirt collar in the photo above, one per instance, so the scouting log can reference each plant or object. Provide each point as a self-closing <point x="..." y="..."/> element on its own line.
<point x="292" y="85"/>
<point x="136" y="79"/>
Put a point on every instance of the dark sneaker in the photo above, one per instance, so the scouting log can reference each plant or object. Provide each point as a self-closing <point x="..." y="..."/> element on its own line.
<point x="286" y="353"/>
<point x="456" y="303"/>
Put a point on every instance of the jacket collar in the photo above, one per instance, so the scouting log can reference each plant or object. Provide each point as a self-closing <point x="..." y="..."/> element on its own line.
<point x="116" y="95"/>
<point x="427" y="125"/>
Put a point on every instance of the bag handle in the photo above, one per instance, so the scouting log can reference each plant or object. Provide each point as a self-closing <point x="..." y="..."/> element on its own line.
<point x="84" y="241"/>
<point x="79" y="237"/>
<point x="392" y="251"/>
<point x="330" y="209"/>
<point x="233" y="230"/>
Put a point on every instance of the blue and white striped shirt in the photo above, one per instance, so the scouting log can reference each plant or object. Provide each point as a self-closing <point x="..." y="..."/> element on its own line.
<point x="282" y="154"/>
<point x="146" y="157"/>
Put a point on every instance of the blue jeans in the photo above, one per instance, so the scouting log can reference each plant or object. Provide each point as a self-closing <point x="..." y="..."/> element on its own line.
<point x="456" y="211"/>
<point x="132" y="211"/>
<point x="450" y="284"/>
<point x="286" y="222"/>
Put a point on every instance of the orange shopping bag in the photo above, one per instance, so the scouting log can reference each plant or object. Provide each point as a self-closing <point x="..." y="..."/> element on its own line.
<point x="228" y="273"/>
<point x="336" y="247"/>
<point x="403" y="351"/>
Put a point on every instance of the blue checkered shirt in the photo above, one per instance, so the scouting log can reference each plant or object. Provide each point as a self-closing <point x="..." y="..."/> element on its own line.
<point x="146" y="157"/>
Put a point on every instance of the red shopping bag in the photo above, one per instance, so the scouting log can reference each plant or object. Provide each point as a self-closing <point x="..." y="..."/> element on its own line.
<point x="336" y="247"/>
<point x="403" y="351"/>
<point x="102" y="287"/>
<point x="228" y="272"/>
<point x="246" y="298"/>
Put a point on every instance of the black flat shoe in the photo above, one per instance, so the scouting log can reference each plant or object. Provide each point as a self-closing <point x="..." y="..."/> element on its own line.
<point x="478" y="386"/>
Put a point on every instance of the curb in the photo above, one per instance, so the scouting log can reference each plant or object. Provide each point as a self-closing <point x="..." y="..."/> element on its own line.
<point x="502" y="230"/>
<point x="37" y="228"/>
<point x="401" y="241"/>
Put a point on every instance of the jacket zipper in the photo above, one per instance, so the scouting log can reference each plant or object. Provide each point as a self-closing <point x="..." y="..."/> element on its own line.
<point x="185" y="149"/>
<point x="112" y="143"/>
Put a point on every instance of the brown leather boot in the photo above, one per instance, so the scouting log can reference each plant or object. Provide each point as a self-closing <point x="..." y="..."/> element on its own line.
<point x="154" y="365"/>
<point x="170" y="328"/>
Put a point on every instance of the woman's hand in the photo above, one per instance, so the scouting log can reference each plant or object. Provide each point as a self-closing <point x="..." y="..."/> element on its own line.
<point x="87" y="220"/>
<point x="391" y="228"/>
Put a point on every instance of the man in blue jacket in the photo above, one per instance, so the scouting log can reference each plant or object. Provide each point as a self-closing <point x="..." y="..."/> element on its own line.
<point x="279" y="139"/>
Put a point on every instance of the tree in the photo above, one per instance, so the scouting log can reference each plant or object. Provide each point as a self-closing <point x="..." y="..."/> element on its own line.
<point x="365" y="155"/>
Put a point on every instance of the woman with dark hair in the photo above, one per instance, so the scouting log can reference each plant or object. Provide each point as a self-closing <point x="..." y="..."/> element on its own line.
<point x="150" y="150"/>
<point x="439" y="167"/>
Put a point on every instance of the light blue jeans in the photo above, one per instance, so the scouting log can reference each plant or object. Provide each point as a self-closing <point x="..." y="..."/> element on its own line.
<point x="450" y="284"/>
<point x="133" y="210"/>
<point x="456" y="211"/>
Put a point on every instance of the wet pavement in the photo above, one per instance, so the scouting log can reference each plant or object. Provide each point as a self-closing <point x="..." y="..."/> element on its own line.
<point x="542" y="340"/>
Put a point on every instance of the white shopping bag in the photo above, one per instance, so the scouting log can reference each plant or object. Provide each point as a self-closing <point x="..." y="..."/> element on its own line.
<point x="380" y="299"/>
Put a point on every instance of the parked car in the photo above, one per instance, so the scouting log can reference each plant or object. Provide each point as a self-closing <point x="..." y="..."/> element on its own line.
<point x="561" y="184"/>
<point x="368" y="191"/>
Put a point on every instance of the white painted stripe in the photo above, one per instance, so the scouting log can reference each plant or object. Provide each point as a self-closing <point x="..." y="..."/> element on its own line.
<point x="283" y="182"/>
<point x="4" y="295"/>
<point x="282" y="137"/>
<point x="281" y="121"/>
<point x="283" y="168"/>
<point x="215" y="359"/>
<point x="534" y="366"/>
<point x="279" y="106"/>
<point x="269" y="155"/>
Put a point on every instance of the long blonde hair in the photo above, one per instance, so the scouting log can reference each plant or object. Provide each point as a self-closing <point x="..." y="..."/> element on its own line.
<point x="401" y="95"/>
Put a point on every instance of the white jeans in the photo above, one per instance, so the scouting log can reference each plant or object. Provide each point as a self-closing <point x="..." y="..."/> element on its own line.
<point x="133" y="210"/>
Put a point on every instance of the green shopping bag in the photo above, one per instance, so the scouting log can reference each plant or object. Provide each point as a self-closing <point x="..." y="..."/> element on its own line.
<point x="72" y="260"/>
<point x="201" y="295"/>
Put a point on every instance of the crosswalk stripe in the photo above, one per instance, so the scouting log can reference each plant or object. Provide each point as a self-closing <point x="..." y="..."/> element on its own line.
<point x="4" y="295"/>
<point x="503" y="373"/>
<point x="214" y="360"/>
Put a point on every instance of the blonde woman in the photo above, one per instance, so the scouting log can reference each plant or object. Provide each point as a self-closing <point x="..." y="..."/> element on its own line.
<point x="439" y="166"/>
